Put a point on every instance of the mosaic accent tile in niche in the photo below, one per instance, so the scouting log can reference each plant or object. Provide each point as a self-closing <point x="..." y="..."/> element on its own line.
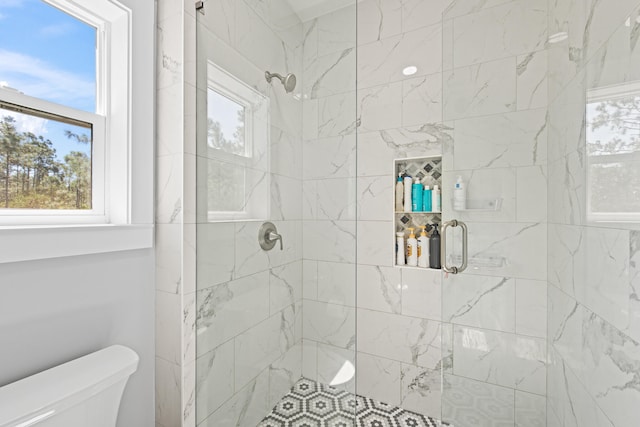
<point x="311" y="404"/>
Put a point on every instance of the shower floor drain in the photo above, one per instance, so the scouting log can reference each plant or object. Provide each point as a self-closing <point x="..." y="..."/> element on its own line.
<point x="311" y="404"/>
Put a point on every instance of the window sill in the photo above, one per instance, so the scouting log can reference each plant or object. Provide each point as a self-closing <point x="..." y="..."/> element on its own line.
<point x="26" y="243"/>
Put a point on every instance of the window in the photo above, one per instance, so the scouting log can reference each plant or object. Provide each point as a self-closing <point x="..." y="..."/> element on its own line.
<point x="613" y="153"/>
<point x="237" y="149"/>
<point x="77" y="98"/>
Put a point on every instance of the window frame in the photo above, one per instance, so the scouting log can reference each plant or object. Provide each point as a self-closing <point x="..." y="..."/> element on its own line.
<point x="255" y="104"/>
<point x="125" y="100"/>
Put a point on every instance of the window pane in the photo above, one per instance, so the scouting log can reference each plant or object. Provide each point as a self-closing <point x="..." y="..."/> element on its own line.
<point x="225" y="124"/>
<point x="225" y="187"/>
<point x="47" y="54"/>
<point x="44" y="163"/>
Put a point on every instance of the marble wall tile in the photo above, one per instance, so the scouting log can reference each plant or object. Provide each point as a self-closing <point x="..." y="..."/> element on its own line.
<point x="380" y="107"/>
<point x="382" y="62"/>
<point x="329" y="324"/>
<point x="330" y="157"/>
<point x="310" y="119"/>
<point x="531" y="410"/>
<point x="482" y="89"/>
<point x="309" y="279"/>
<point x="566" y="257"/>
<point x="422" y="100"/>
<point x="309" y="200"/>
<point x="336" y="199"/>
<point x="422" y="293"/>
<point x="565" y="334"/>
<point x="378" y="378"/>
<point x="336" y="31"/>
<point x="531" y="308"/>
<point x="464" y="7"/>
<point x="509" y="360"/>
<point x="292" y="243"/>
<point x="215" y="253"/>
<point x="337" y="115"/>
<point x="168" y="254"/>
<point x="378" y="19"/>
<point x="568" y="200"/>
<point x="333" y="241"/>
<point x="168" y="392"/>
<point x="331" y="74"/>
<point x="285" y="153"/>
<point x="531" y="190"/>
<point x="379" y="149"/>
<point x="228" y="309"/>
<point x="511" y="29"/>
<point x="379" y="288"/>
<point x="502" y="140"/>
<point x="247" y="407"/>
<point x="285" y="286"/>
<point x="285" y="198"/>
<point x="309" y="359"/>
<point x="417" y="13"/>
<point x="421" y="390"/>
<point x="634" y="276"/>
<point x="249" y="256"/>
<point x="374" y="194"/>
<point x="283" y="373"/>
<point x="469" y="402"/>
<point x="419" y="342"/>
<point x="215" y="381"/>
<point x="263" y="344"/>
<point x="169" y="327"/>
<point x="375" y="245"/>
<point x="336" y="283"/>
<point x="480" y="301"/>
<point x="169" y="204"/>
<point x="532" y="80"/>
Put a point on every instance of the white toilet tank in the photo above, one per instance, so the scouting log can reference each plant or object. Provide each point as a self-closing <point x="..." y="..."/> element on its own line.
<point x="85" y="392"/>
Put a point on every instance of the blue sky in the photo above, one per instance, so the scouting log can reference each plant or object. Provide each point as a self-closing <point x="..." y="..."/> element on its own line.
<point x="47" y="54"/>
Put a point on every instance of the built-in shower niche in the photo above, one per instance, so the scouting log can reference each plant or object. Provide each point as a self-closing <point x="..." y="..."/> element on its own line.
<point x="429" y="170"/>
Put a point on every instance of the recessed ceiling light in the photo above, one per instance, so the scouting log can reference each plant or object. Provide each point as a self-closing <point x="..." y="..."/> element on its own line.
<point x="558" y="37"/>
<point x="410" y="70"/>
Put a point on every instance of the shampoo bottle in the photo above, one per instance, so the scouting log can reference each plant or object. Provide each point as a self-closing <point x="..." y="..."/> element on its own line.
<point x="408" y="183"/>
<point x="434" y="248"/>
<point x="400" y="248"/>
<point x="459" y="195"/>
<point x="399" y="193"/>
<point x="423" y="248"/>
<point x="436" y="205"/>
<point x="412" y="249"/>
<point x="426" y="199"/>
<point x="416" y="196"/>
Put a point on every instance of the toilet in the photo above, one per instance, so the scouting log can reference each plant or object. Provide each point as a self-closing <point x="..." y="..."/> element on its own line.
<point x="81" y="393"/>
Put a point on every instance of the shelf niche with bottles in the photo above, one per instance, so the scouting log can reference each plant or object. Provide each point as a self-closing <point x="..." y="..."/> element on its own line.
<point x="429" y="170"/>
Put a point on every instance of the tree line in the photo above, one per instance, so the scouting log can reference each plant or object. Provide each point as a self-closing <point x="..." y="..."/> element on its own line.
<point x="33" y="177"/>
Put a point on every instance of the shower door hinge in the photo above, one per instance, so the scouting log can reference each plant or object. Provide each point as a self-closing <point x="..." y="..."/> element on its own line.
<point x="200" y="6"/>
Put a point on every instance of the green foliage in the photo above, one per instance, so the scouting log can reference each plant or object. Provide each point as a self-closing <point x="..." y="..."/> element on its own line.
<point x="32" y="177"/>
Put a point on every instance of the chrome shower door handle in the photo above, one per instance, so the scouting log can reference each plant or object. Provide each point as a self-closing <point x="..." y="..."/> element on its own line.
<point x="443" y="246"/>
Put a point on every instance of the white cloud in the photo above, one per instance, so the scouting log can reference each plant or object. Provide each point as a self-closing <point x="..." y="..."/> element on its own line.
<point x="40" y="79"/>
<point x="25" y="123"/>
<point x="56" y="30"/>
<point x="11" y="3"/>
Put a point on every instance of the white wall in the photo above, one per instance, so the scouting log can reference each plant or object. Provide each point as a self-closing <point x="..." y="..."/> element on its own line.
<point x="54" y="310"/>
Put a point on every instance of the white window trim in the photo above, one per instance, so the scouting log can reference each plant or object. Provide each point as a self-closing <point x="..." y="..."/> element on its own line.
<point x="123" y="223"/>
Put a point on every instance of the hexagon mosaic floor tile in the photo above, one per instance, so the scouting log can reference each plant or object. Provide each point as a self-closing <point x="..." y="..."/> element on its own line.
<point x="311" y="404"/>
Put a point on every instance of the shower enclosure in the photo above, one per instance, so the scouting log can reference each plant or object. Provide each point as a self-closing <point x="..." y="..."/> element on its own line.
<point x="307" y="111"/>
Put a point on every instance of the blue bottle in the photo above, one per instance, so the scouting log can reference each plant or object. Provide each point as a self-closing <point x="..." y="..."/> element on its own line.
<point x="426" y="199"/>
<point x="416" y="196"/>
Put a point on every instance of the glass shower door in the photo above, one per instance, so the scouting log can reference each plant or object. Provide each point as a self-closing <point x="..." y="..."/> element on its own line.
<point x="494" y="312"/>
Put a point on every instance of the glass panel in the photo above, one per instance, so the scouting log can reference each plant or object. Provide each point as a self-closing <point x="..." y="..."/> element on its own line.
<point x="47" y="54"/>
<point x="45" y="163"/>
<point x="276" y="328"/>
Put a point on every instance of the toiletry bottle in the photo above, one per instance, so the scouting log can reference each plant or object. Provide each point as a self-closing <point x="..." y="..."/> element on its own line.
<point x="412" y="249"/>
<point x="426" y="199"/>
<point x="399" y="193"/>
<point x="434" y="248"/>
<point x="459" y="195"/>
<point x="408" y="183"/>
<point x="436" y="205"/>
<point x="400" y="248"/>
<point x="416" y="196"/>
<point x="423" y="248"/>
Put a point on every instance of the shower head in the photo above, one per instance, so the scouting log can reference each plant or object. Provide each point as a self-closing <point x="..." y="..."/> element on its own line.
<point x="288" y="81"/>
